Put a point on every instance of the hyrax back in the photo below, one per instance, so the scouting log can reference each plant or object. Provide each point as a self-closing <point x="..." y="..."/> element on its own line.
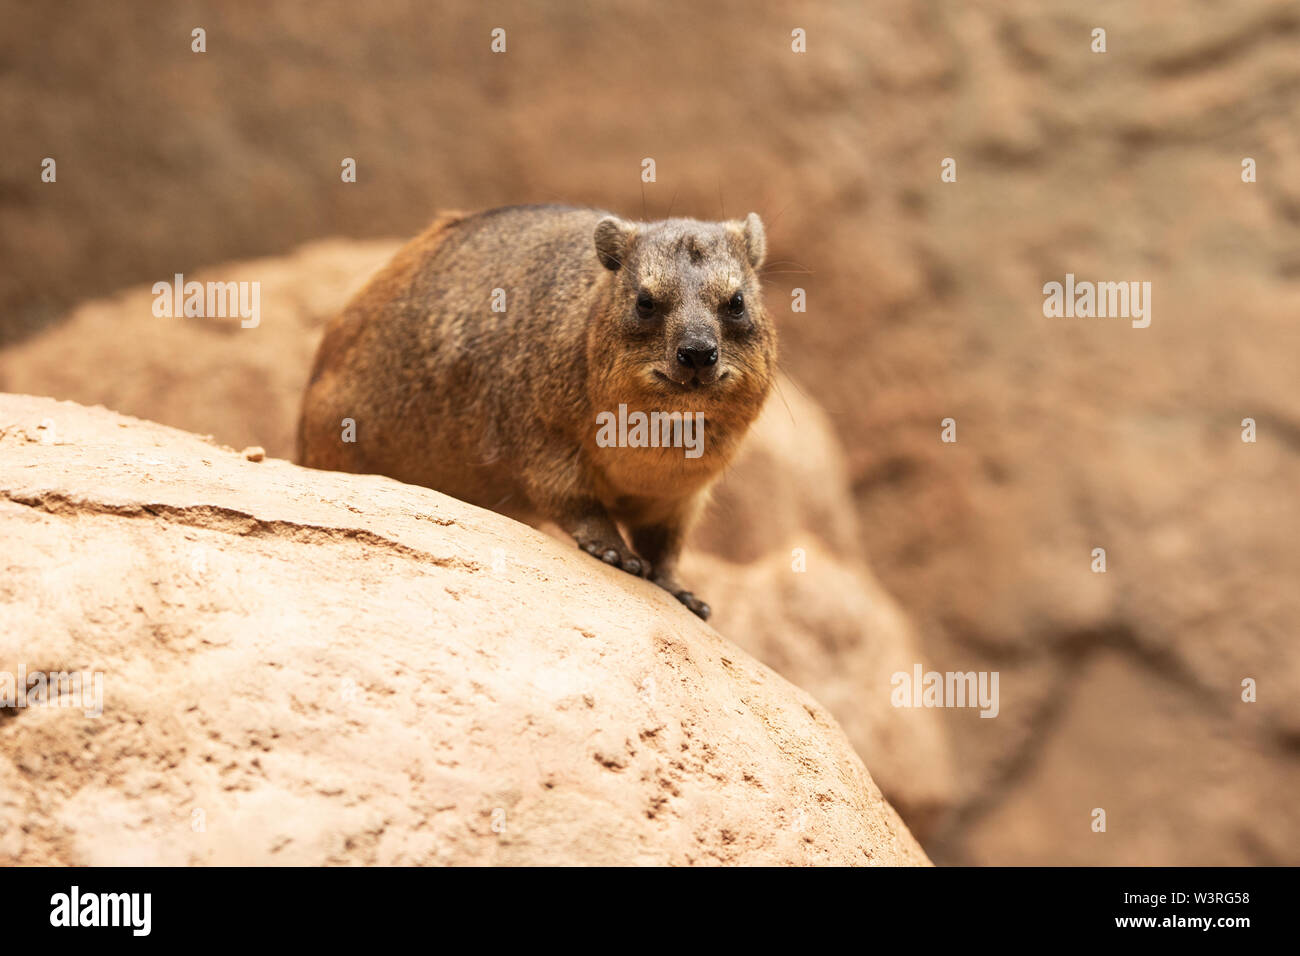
<point x="558" y="364"/>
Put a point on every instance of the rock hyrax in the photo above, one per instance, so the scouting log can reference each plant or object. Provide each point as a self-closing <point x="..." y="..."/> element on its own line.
<point x="554" y="364"/>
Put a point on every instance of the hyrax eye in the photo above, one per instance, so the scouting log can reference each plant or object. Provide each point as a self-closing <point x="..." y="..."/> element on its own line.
<point x="645" y="305"/>
<point x="736" y="304"/>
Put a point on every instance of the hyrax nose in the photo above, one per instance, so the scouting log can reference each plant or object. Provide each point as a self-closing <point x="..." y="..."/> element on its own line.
<point x="697" y="355"/>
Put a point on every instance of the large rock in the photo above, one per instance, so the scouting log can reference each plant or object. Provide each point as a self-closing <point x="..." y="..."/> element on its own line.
<point x="833" y="630"/>
<point x="205" y="375"/>
<point x="780" y="556"/>
<point x="305" y="667"/>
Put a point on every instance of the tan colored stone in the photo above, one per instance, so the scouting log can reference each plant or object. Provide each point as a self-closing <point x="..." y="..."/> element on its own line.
<point x="325" y="668"/>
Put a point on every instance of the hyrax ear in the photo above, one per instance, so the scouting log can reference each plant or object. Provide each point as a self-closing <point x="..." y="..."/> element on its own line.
<point x="755" y="240"/>
<point x="613" y="240"/>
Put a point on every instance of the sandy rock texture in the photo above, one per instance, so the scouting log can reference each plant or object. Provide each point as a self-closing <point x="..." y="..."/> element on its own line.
<point x="304" y="668"/>
<point x="780" y="556"/>
<point x="832" y="630"/>
<point x="205" y="375"/>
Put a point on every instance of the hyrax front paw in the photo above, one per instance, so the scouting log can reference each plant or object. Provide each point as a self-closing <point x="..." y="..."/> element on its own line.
<point x="694" y="604"/>
<point x="617" y="554"/>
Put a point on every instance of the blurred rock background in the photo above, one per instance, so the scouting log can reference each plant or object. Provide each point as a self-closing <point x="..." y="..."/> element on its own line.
<point x="1120" y="691"/>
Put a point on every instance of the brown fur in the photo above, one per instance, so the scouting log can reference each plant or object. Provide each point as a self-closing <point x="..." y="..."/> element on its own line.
<point x="500" y="409"/>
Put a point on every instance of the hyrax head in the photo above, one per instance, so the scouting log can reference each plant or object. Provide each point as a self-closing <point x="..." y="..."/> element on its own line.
<point x="687" y="319"/>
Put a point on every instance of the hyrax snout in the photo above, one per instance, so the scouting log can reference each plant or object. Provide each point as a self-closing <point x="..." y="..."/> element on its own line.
<point x="554" y="364"/>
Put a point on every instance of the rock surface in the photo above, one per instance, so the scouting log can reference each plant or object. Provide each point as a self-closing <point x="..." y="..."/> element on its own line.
<point x="832" y="631"/>
<point x="780" y="556"/>
<point x="303" y="667"/>
<point x="204" y="375"/>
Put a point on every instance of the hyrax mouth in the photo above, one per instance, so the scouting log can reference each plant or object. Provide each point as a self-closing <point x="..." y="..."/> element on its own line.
<point x="692" y="381"/>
